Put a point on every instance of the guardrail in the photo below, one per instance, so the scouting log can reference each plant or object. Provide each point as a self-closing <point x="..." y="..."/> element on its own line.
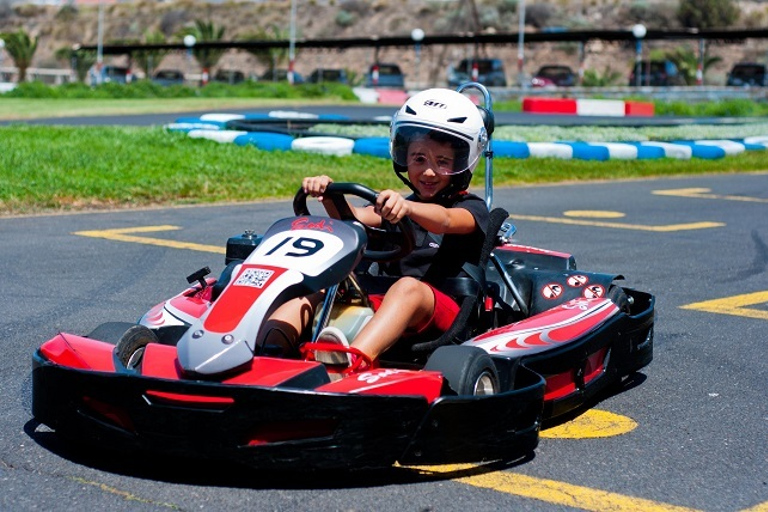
<point x="692" y="93"/>
<point x="52" y="76"/>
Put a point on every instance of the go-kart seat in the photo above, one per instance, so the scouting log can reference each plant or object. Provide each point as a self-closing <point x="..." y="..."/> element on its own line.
<point x="470" y="295"/>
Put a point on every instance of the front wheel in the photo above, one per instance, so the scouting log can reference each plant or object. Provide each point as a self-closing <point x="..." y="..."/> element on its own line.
<point x="130" y="347"/>
<point x="468" y="370"/>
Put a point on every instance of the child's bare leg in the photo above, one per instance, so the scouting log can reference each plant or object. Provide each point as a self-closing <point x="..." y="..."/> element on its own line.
<point x="407" y="303"/>
<point x="286" y="325"/>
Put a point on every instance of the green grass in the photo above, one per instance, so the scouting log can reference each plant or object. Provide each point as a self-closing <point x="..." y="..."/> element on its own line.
<point x="44" y="169"/>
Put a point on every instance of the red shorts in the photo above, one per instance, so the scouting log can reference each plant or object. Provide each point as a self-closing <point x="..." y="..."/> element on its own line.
<point x="445" y="312"/>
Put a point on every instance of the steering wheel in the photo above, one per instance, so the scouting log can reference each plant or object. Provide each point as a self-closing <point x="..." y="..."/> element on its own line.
<point x="401" y="240"/>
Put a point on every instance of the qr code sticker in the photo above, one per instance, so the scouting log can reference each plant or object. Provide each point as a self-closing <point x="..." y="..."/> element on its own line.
<point x="255" y="277"/>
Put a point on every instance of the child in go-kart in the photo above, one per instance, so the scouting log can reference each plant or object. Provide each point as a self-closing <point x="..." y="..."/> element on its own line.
<point x="436" y="140"/>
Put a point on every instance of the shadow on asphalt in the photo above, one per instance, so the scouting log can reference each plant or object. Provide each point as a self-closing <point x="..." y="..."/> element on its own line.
<point x="220" y="473"/>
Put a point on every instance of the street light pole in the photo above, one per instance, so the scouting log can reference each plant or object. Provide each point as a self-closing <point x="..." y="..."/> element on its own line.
<point x="100" y="44"/>
<point x="2" y="47"/>
<point x="639" y="32"/>
<point x="417" y="35"/>
<point x="521" y="43"/>
<point x="189" y="42"/>
<point x="292" y="44"/>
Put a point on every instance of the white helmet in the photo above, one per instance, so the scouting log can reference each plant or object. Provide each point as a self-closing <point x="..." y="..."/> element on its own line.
<point x="446" y="116"/>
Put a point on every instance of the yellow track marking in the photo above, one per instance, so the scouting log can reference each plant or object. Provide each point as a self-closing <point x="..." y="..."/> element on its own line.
<point x="760" y="507"/>
<point x="123" y="494"/>
<point x="594" y="423"/>
<point x="594" y="214"/>
<point x="703" y="193"/>
<point x="735" y="305"/>
<point x="123" y="235"/>
<point x="549" y="491"/>
<point x="618" y="225"/>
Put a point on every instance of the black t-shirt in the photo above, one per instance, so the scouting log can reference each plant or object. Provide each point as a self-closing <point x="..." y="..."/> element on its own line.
<point x="436" y="257"/>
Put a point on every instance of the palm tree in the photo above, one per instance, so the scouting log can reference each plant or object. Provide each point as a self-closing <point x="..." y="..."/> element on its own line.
<point x="148" y="60"/>
<point x="205" y="32"/>
<point x="272" y="58"/>
<point x="22" y="49"/>
<point x="687" y="61"/>
<point x="80" y="60"/>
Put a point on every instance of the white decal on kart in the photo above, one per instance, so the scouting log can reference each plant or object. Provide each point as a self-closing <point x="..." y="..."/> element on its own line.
<point x="552" y="291"/>
<point x="594" y="292"/>
<point x="577" y="281"/>
<point x="254" y="277"/>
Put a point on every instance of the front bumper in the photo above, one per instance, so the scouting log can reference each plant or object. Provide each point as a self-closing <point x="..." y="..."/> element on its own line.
<point x="284" y="428"/>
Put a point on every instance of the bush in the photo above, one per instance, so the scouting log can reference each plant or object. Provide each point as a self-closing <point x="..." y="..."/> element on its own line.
<point x="147" y="89"/>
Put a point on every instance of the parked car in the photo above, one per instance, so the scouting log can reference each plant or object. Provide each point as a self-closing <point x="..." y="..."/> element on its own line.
<point x="390" y="75"/>
<point x="657" y="73"/>
<point x="328" y="75"/>
<point x="280" y="75"/>
<point x="490" y="72"/>
<point x="748" y="73"/>
<point x="229" y="76"/>
<point x="116" y="74"/>
<point x="554" y="76"/>
<point x="166" y="77"/>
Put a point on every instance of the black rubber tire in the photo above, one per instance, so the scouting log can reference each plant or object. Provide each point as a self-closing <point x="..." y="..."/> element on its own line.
<point x="468" y="370"/>
<point x="130" y="347"/>
<point x="110" y="332"/>
<point x="619" y="297"/>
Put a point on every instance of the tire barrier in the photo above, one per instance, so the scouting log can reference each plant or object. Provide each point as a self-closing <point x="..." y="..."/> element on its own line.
<point x="253" y="130"/>
<point x="374" y="146"/>
<point x="336" y="146"/>
<point x="265" y="141"/>
<point x="222" y="136"/>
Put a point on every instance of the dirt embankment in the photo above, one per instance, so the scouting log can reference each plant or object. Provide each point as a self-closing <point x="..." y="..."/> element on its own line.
<point x="63" y="26"/>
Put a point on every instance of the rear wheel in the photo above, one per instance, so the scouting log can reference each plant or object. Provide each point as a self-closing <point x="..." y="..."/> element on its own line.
<point x="619" y="297"/>
<point x="131" y="345"/>
<point x="468" y="370"/>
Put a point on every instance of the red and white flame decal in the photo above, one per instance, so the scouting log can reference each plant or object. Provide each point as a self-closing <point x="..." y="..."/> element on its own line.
<point x="556" y="326"/>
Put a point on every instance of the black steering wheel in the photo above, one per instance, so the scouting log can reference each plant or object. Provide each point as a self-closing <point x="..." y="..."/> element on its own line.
<point x="401" y="240"/>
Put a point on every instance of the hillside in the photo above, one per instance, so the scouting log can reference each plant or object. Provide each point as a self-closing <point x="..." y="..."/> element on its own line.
<point x="58" y="27"/>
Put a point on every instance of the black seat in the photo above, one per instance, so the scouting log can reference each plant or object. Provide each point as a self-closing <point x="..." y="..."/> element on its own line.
<point x="460" y="330"/>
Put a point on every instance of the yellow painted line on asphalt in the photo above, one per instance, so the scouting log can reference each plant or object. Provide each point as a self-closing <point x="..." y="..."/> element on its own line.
<point x="736" y="305"/>
<point x="620" y="225"/>
<point x="125" y="235"/>
<point x="760" y="507"/>
<point x="592" y="424"/>
<point x="595" y="214"/>
<point x="549" y="491"/>
<point x="704" y="193"/>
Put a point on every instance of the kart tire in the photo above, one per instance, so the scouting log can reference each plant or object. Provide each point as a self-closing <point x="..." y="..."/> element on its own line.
<point x="620" y="298"/>
<point x="336" y="146"/>
<point x="130" y="347"/>
<point x="110" y="332"/>
<point x="467" y="370"/>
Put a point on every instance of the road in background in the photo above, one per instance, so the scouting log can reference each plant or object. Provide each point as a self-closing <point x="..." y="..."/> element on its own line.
<point x="369" y="112"/>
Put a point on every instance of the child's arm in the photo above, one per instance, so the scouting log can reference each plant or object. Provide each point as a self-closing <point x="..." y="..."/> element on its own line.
<point x="432" y="217"/>
<point x="316" y="185"/>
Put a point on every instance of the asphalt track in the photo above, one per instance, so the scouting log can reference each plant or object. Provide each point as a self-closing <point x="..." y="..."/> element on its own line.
<point x="689" y="432"/>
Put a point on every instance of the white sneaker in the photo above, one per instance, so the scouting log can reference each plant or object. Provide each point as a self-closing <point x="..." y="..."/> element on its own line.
<point x="335" y="336"/>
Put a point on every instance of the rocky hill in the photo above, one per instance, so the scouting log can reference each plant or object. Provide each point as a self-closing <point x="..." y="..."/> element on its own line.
<point x="76" y="22"/>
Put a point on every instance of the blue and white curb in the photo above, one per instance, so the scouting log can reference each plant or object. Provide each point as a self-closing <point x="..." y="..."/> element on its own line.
<point x="214" y="127"/>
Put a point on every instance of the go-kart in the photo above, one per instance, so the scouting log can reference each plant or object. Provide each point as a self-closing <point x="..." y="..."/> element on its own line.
<point x="534" y="339"/>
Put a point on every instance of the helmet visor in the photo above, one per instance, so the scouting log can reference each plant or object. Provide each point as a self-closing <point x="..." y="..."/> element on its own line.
<point x="427" y="147"/>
